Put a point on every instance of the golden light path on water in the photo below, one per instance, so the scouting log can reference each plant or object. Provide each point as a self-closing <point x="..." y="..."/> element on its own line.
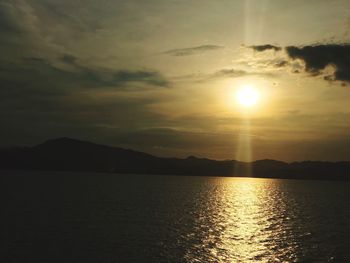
<point x="250" y="234"/>
<point x="246" y="220"/>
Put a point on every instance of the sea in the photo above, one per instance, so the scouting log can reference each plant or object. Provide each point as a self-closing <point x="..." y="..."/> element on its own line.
<point x="91" y="217"/>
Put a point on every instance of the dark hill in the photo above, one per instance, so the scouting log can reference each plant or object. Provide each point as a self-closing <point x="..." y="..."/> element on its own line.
<point x="65" y="154"/>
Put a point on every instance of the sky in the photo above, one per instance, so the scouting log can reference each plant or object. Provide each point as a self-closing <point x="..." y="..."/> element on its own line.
<point x="161" y="76"/>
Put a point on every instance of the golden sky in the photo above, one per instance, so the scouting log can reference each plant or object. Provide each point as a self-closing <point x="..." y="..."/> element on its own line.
<point x="162" y="76"/>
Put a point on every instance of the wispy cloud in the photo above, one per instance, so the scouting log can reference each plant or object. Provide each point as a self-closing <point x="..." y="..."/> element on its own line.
<point x="115" y="78"/>
<point x="44" y="83"/>
<point x="192" y="50"/>
<point x="236" y="73"/>
<point x="228" y="73"/>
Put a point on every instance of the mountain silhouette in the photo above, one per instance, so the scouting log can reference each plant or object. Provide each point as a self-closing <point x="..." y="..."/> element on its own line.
<point x="66" y="154"/>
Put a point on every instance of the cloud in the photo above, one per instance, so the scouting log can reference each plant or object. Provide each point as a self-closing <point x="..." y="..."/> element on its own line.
<point x="261" y="48"/>
<point x="107" y="77"/>
<point x="8" y="25"/>
<point x="281" y="63"/>
<point x="318" y="57"/>
<point x="122" y="78"/>
<point x="148" y="77"/>
<point x="231" y="73"/>
<point x="69" y="59"/>
<point x="46" y="94"/>
<point x="192" y="50"/>
<point x="222" y="73"/>
<point x="236" y="73"/>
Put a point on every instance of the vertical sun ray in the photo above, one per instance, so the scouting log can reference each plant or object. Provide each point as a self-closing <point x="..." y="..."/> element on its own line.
<point x="244" y="150"/>
<point x="264" y="5"/>
<point x="247" y="26"/>
<point x="253" y="32"/>
<point x="247" y="97"/>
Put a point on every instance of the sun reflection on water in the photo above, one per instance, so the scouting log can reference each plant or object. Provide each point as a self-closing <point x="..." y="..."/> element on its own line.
<point x="248" y="223"/>
<point x="242" y="237"/>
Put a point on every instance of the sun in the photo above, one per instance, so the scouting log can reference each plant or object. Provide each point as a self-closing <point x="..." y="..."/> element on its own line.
<point x="247" y="96"/>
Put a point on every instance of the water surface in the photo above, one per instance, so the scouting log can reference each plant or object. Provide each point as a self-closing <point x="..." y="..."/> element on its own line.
<point x="67" y="217"/>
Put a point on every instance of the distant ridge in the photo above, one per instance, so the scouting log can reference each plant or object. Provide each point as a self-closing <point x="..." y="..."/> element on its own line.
<point x="67" y="154"/>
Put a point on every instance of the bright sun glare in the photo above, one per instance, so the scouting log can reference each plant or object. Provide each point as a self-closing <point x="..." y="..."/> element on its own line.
<point x="247" y="96"/>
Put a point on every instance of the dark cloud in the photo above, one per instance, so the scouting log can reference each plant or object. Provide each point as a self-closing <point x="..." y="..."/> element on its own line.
<point x="46" y="91"/>
<point x="318" y="57"/>
<point x="8" y="25"/>
<point x="47" y="100"/>
<point x="261" y="48"/>
<point x="192" y="50"/>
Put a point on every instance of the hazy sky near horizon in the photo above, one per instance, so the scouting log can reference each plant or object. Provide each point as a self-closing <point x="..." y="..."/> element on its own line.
<point x="160" y="76"/>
